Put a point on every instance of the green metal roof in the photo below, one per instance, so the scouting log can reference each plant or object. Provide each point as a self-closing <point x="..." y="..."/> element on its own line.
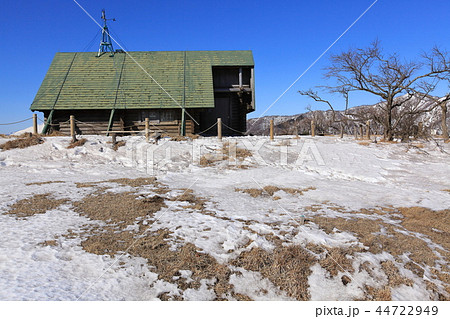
<point x="81" y="80"/>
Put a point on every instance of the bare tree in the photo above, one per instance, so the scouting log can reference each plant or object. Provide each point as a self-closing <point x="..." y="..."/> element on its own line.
<point x="442" y="103"/>
<point x="387" y="77"/>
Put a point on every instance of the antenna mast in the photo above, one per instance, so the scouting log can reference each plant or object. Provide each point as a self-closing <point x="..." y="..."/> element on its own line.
<point x="105" y="43"/>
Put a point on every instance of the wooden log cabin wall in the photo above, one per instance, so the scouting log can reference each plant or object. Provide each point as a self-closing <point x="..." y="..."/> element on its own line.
<point x="114" y="93"/>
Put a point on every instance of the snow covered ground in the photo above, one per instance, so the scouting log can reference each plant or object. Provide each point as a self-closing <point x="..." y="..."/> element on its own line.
<point x="285" y="193"/>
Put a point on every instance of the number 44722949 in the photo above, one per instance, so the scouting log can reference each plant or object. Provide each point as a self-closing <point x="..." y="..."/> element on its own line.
<point x="407" y="310"/>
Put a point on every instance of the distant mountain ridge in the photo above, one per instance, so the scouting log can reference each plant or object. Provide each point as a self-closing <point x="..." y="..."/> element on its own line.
<point x="301" y="123"/>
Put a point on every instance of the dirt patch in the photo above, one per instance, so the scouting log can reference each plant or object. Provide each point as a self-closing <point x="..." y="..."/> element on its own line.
<point x="77" y="143"/>
<point x="22" y="142"/>
<point x="268" y="191"/>
<point x="36" y="204"/>
<point x="288" y="267"/>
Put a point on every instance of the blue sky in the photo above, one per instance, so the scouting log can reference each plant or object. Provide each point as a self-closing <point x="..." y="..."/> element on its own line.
<point x="285" y="37"/>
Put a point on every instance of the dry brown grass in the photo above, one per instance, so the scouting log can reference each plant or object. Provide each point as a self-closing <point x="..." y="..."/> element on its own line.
<point x="209" y="160"/>
<point x="284" y="142"/>
<point x="270" y="190"/>
<point x="231" y="150"/>
<point x="382" y="294"/>
<point x="136" y="182"/>
<point x="393" y="274"/>
<point x="166" y="262"/>
<point x="118" y="144"/>
<point x="446" y="190"/>
<point x="179" y="138"/>
<point x="414" y="220"/>
<point x="388" y="142"/>
<point x="287" y="267"/>
<point x="122" y="209"/>
<point x="44" y="183"/>
<point x="193" y="136"/>
<point x="195" y="202"/>
<point x="56" y="133"/>
<point x="36" y="204"/>
<point x="394" y="279"/>
<point x="51" y="243"/>
<point x="393" y="242"/>
<point x="422" y="220"/>
<point x="365" y="143"/>
<point x="77" y="143"/>
<point x="133" y="182"/>
<point x="228" y="151"/>
<point x="336" y="261"/>
<point x="22" y="142"/>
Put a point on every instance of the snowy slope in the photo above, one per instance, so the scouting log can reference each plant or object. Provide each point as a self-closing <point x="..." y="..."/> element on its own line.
<point x="338" y="172"/>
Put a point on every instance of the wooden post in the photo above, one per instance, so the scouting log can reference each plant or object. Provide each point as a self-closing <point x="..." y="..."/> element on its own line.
<point x="72" y="129"/>
<point x="313" y="128"/>
<point x="113" y="139"/>
<point x="356" y="132"/>
<point x="420" y="130"/>
<point x="342" y="131"/>
<point x="271" y="130"/>
<point x="219" y="129"/>
<point x="368" y="129"/>
<point x="147" y="129"/>
<point x="35" y="127"/>
<point x="361" y="131"/>
<point x="296" y="133"/>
